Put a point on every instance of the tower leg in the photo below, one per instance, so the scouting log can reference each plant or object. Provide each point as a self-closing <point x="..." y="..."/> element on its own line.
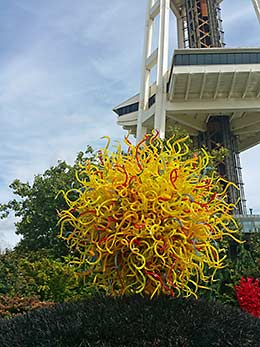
<point x="256" y="4"/>
<point x="162" y="66"/>
<point x="145" y="80"/>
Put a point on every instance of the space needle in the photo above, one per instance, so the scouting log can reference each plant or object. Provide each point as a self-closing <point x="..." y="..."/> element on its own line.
<point x="210" y="90"/>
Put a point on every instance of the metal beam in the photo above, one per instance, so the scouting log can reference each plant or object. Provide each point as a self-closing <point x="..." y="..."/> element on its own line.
<point x="236" y="115"/>
<point x="218" y="106"/>
<point x="247" y="83"/>
<point x="173" y="123"/>
<point x="256" y="4"/>
<point x="172" y="83"/>
<point x="145" y="79"/>
<point x="175" y="10"/>
<point x="188" y="87"/>
<point x="249" y="120"/>
<point x="151" y="61"/>
<point x="155" y="10"/>
<point x="197" y="124"/>
<point x="232" y="84"/>
<point x="247" y="131"/>
<point x="258" y="93"/>
<point x="203" y="85"/>
<point x="249" y="142"/>
<point x="217" y="85"/>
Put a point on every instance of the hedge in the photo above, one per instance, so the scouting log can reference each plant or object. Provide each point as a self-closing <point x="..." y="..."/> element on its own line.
<point x="132" y="321"/>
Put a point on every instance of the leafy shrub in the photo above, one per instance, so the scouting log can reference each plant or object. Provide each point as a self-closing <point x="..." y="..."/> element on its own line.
<point x="12" y="306"/>
<point x="47" y="278"/>
<point x="8" y="273"/>
<point x="243" y="260"/>
<point x="37" y="274"/>
<point x="246" y="260"/>
<point x="248" y="295"/>
<point x="133" y="321"/>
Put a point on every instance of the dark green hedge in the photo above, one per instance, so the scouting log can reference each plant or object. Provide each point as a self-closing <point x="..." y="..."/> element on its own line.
<point x="132" y="321"/>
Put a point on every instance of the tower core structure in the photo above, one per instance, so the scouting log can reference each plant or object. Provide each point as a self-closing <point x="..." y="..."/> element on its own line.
<point x="211" y="91"/>
<point x="203" y="23"/>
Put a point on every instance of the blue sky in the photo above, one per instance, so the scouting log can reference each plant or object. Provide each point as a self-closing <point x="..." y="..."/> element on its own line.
<point x="64" y="66"/>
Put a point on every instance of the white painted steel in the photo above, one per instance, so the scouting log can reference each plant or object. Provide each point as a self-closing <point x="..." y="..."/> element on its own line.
<point x="146" y="73"/>
<point x="159" y="58"/>
<point x="162" y="67"/>
<point x="256" y="4"/>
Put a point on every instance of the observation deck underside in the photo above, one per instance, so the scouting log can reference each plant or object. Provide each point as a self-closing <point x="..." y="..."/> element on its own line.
<point x="206" y="83"/>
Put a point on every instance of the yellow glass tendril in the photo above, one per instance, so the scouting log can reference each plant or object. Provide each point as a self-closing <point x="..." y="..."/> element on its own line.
<point x="148" y="221"/>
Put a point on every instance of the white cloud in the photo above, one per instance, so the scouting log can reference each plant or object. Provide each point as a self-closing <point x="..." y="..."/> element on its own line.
<point x="8" y="238"/>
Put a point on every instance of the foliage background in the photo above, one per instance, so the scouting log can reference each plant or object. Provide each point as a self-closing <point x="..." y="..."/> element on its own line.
<point x="38" y="266"/>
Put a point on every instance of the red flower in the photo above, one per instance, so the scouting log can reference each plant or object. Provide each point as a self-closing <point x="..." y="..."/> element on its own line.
<point x="248" y="295"/>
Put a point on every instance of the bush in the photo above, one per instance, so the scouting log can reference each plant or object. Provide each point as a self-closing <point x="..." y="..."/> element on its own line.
<point x="133" y="321"/>
<point x="37" y="274"/>
<point x="13" y="306"/>
<point x="243" y="261"/>
<point x="8" y="272"/>
<point x="47" y="278"/>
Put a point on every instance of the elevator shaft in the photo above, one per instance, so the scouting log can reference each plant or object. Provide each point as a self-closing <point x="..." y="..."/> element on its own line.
<point x="219" y="134"/>
<point x="204" y="23"/>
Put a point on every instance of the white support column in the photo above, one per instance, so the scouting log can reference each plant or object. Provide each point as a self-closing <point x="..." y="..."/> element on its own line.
<point x="158" y="57"/>
<point x="256" y="4"/>
<point x="180" y="29"/>
<point x="162" y="66"/>
<point x="146" y="72"/>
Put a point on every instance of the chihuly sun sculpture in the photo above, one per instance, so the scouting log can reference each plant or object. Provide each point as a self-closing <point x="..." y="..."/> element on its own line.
<point x="149" y="220"/>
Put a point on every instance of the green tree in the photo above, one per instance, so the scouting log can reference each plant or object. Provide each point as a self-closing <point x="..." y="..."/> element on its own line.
<point x="38" y="275"/>
<point x="37" y="205"/>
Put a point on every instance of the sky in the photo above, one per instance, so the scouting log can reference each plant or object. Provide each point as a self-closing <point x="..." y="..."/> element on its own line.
<point x="63" y="67"/>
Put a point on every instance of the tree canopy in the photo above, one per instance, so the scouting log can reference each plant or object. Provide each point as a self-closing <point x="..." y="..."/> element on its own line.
<point x="37" y="205"/>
